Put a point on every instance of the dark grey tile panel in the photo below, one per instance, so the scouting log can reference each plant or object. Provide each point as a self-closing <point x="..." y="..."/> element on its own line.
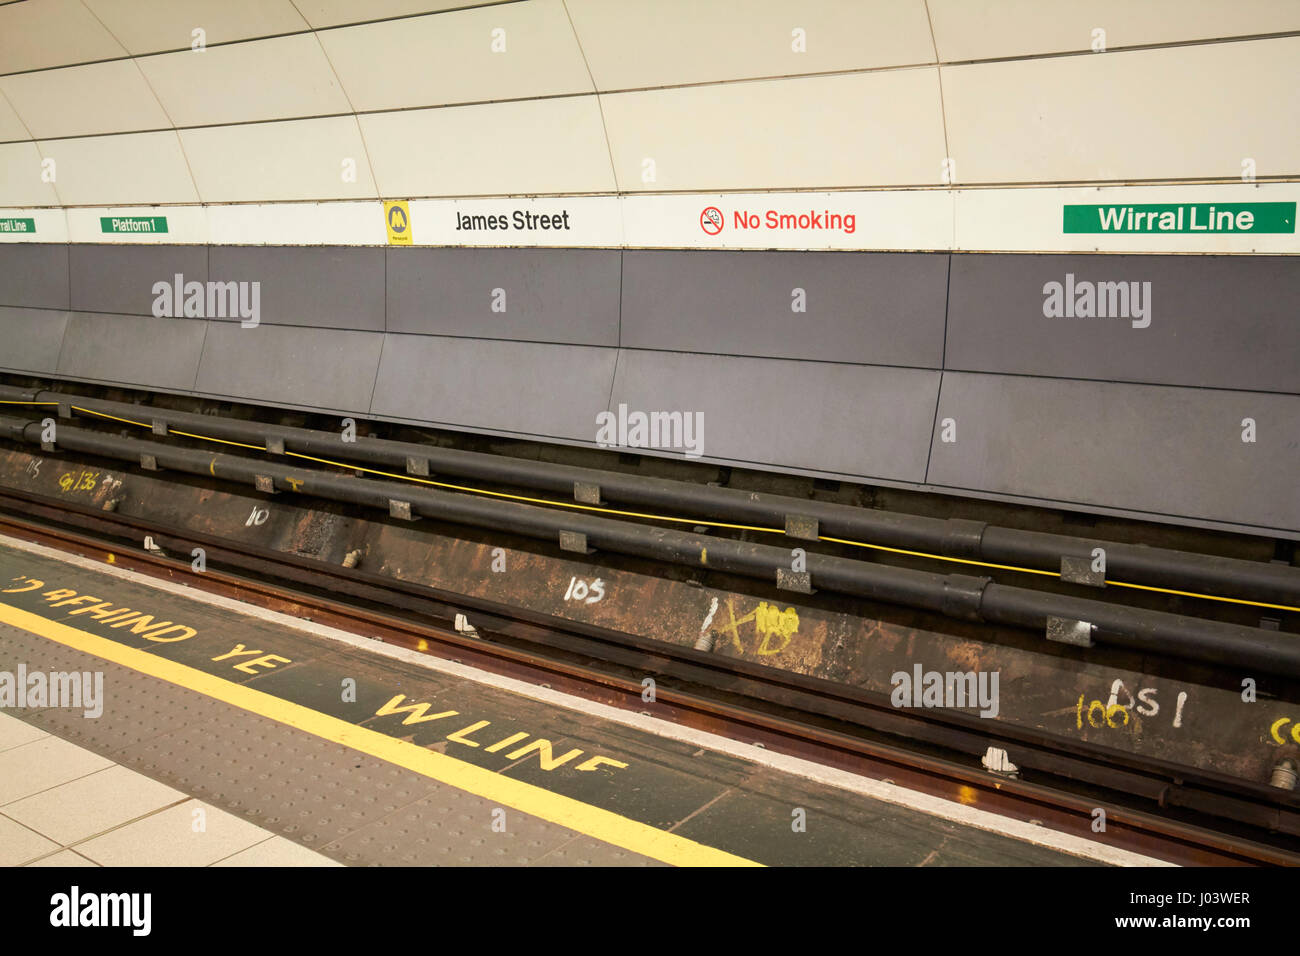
<point x="30" y="339"/>
<point x="121" y="278"/>
<point x="862" y="420"/>
<point x="331" y="287"/>
<point x="551" y="295"/>
<point x="34" y="275"/>
<point x="326" y="368"/>
<point x="132" y="350"/>
<point x="1217" y="321"/>
<point x="1159" y="449"/>
<point x="872" y="308"/>
<point x="524" y="387"/>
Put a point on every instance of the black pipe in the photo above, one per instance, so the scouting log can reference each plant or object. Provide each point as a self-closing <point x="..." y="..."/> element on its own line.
<point x="953" y="537"/>
<point x="954" y="595"/>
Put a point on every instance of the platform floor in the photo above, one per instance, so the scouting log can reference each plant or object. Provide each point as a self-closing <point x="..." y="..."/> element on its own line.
<point x="64" y="805"/>
<point x="324" y="748"/>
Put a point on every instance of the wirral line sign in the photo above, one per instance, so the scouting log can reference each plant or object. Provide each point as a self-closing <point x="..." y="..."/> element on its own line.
<point x="1245" y="217"/>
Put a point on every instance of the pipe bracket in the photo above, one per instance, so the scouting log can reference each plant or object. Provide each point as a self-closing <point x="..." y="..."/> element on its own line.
<point x="963" y="595"/>
<point x="1063" y="630"/>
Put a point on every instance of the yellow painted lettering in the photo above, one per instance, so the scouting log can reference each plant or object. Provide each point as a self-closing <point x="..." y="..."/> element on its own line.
<point x="92" y="608"/>
<point x="31" y="585"/>
<point x="237" y="652"/>
<point x="503" y="744"/>
<point x="418" y="712"/>
<point x="266" y="660"/>
<point x="79" y="599"/>
<point x="460" y="738"/>
<point x="545" y="757"/>
<point x="187" y="633"/>
<point x="596" y="761"/>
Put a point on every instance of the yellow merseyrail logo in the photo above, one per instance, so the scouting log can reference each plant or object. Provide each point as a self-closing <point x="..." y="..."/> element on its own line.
<point x="525" y="797"/>
<point x="397" y="219"/>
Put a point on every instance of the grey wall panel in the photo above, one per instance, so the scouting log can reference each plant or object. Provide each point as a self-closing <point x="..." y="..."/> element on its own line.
<point x="325" y="368"/>
<point x="1157" y="449"/>
<point x="30" y="339"/>
<point x="121" y="278"/>
<point x="873" y="308"/>
<point x="524" y="387"/>
<point x="552" y="295"/>
<point x="328" y="287"/>
<point x="869" y="421"/>
<point x="132" y="350"/>
<point x="1217" y="321"/>
<point x="34" y="275"/>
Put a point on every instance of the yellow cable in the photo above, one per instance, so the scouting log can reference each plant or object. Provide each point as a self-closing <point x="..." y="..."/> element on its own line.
<point x="656" y="517"/>
<point x="237" y="444"/>
<point x="924" y="554"/>
<point x="91" y="411"/>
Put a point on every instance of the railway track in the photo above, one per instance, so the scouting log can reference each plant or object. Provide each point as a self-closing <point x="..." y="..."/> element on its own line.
<point x="815" y="719"/>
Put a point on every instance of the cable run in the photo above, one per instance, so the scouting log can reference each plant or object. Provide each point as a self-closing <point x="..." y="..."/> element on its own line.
<point x="577" y="506"/>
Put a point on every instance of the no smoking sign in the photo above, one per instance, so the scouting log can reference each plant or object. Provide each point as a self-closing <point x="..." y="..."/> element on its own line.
<point x="711" y="220"/>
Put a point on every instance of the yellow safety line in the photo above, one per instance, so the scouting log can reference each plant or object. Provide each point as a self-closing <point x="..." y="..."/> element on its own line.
<point x="693" y="521"/>
<point x="564" y="811"/>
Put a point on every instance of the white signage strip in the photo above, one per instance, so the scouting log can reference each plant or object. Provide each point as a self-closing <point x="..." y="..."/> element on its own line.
<point x="894" y="220"/>
<point x="33" y="225"/>
<point x="585" y="221"/>
<point x="157" y="225"/>
<point x="298" y="224"/>
<point x="1029" y="219"/>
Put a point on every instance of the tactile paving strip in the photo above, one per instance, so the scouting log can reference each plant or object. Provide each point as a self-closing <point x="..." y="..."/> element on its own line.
<point x="346" y="805"/>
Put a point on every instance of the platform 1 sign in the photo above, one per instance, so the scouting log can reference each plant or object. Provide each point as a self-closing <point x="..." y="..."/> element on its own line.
<point x="132" y="224"/>
<point x="1195" y="217"/>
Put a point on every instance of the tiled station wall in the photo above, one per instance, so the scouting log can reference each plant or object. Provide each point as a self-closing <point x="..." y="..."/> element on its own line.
<point x="1082" y="411"/>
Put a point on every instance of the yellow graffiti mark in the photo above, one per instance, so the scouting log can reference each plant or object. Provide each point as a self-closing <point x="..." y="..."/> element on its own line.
<point x="78" y="480"/>
<point x="770" y="623"/>
<point x="295" y="483"/>
<point x="1101" y="715"/>
<point x="1277" y="726"/>
<point x="773" y="623"/>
